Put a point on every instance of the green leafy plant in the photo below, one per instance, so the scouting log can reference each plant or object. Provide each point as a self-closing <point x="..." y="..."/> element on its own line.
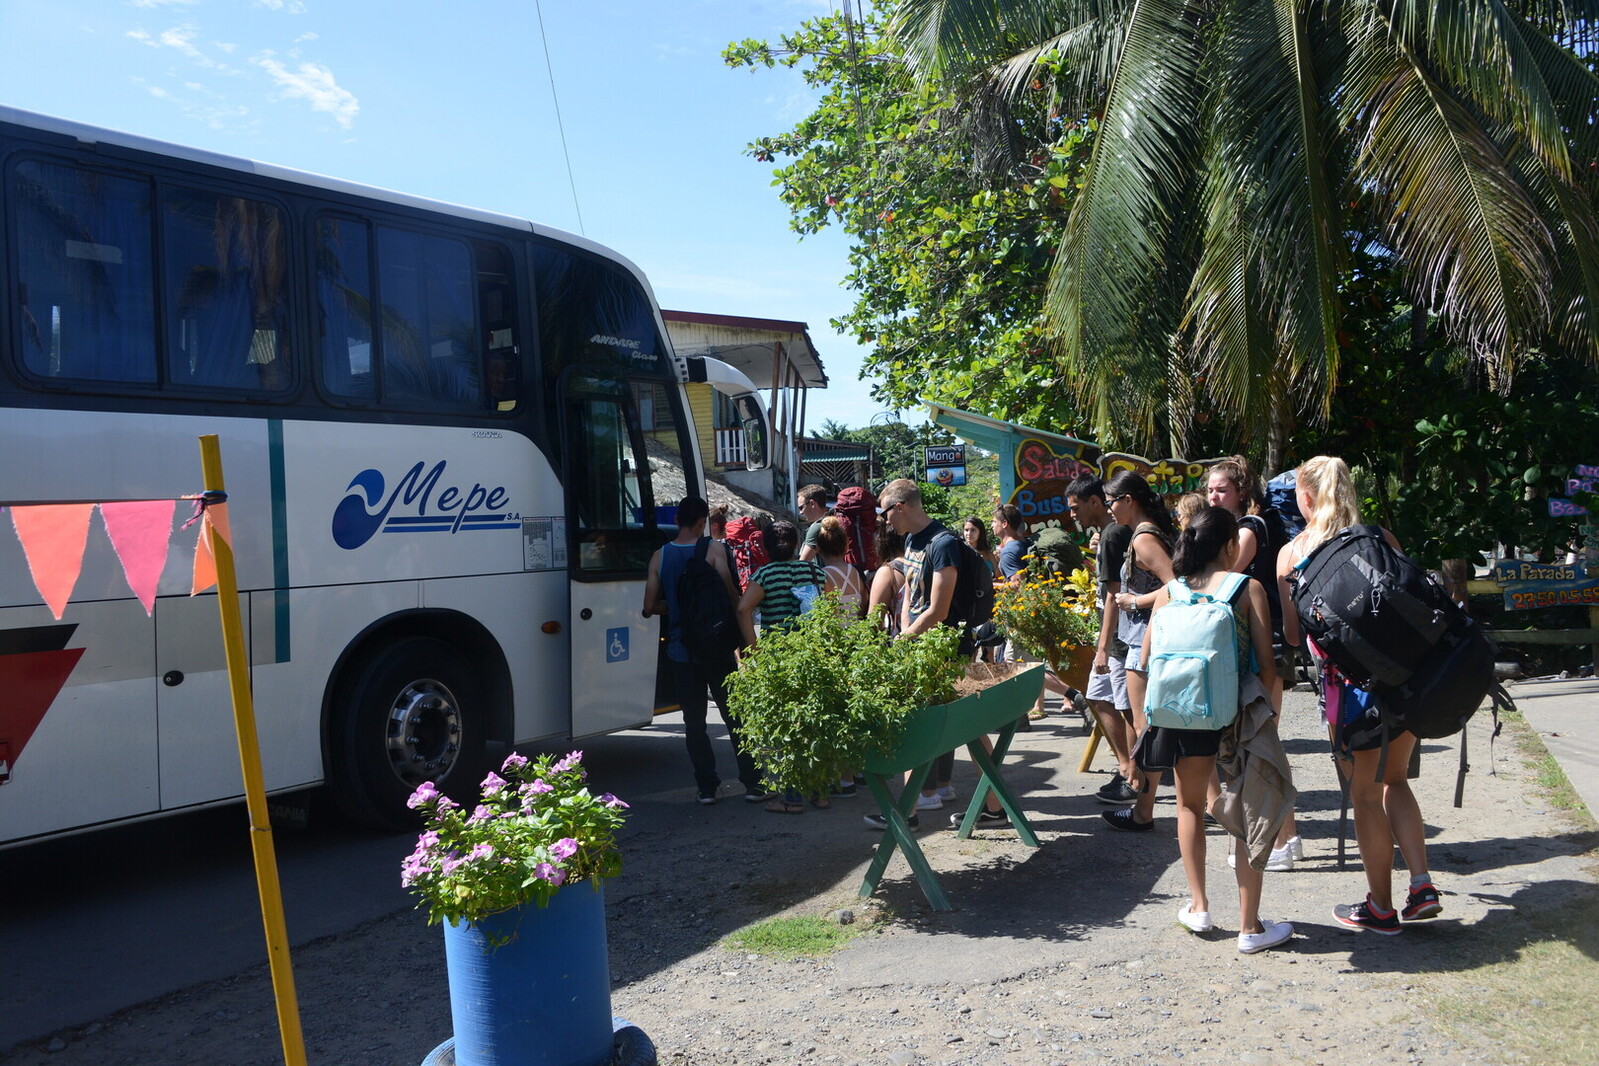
<point x="537" y="828"/>
<point x="1049" y="614"/>
<point x="821" y="697"/>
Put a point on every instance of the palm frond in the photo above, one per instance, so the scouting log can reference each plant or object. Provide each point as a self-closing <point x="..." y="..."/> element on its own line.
<point x="1264" y="289"/>
<point x="1106" y="302"/>
<point x="1475" y="247"/>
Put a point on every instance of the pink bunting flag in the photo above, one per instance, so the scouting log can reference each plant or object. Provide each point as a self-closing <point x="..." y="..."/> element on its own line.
<point x="139" y="532"/>
<point x="214" y="523"/>
<point x="53" y="537"/>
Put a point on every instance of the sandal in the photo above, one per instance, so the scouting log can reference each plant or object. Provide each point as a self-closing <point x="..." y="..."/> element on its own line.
<point x="783" y="806"/>
<point x="821" y="802"/>
<point x="1037" y="715"/>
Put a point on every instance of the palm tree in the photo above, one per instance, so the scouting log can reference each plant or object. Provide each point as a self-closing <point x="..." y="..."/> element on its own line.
<point x="1245" y="146"/>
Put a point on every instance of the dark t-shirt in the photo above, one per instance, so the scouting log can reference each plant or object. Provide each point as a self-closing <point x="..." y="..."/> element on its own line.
<point x="1113" y="542"/>
<point x="1010" y="559"/>
<point x="927" y="553"/>
<point x="812" y="531"/>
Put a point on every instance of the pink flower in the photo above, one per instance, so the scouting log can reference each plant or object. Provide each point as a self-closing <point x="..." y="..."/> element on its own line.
<point x="481" y="851"/>
<point x="536" y="786"/>
<point x="612" y="802"/>
<point x="492" y="783"/>
<point x="426" y="792"/>
<point x="513" y="762"/>
<point x="553" y="874"/>
<point x="564" y="848"/>
<point x="568" y="763"/>
<point x="481" y="813"/>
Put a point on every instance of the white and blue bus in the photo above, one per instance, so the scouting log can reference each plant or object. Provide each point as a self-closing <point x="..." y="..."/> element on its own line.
<point x="442" y="498"/>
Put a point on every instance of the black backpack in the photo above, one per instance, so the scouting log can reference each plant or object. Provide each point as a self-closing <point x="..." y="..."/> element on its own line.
<point x="1392" y="629"/>
<point x="1374" y="612"/>
<point x="974" y="589"/>
<point x="705" y="611"/>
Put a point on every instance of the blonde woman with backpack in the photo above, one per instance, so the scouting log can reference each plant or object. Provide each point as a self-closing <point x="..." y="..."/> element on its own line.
<point x="1206" y="549"/>
<point x="1386" y="811"/>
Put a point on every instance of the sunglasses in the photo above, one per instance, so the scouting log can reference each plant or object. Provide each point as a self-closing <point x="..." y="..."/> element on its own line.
<point x="1111" y="500"/>
<point x="882" y="512"/>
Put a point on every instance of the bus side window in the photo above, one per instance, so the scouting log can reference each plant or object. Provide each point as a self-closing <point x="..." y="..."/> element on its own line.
<point x="496" y="301"/>
<point x="226" y="309"/>
<point x="85" y="283"/>
<point x="429" y="347"/>
<point x="344" y="308"/>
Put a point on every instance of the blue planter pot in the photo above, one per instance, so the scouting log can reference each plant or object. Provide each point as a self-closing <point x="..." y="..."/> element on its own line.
<point x="544" y="998"/>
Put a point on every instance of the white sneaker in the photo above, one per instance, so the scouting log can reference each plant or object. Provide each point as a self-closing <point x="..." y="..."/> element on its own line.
<point x="1280" y="860"/>
<point x="929" y="803"/>
<point x="1271" y="934"/>
<point x="947" y="793"/>
<point x="1192" y="920"/>
<point x="1296" y="847"/>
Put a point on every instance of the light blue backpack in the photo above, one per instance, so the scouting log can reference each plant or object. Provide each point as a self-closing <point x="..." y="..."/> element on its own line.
<point x="1193" y="662"/>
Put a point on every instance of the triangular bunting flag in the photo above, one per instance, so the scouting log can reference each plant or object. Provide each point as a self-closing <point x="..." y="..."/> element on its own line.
<point x="214" y="523"/>
<point x="140" y="531"/>
<point x="53" y="536"/>
<point x="31" y="681"/>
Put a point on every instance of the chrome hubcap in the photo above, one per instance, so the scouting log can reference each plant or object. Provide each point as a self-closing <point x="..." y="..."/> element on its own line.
<point x="424" y="732"/>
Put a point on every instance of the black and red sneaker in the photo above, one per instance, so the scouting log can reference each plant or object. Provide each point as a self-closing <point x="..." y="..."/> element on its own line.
<point x="1366" y="915"/>
<point x="1422" y="903"/>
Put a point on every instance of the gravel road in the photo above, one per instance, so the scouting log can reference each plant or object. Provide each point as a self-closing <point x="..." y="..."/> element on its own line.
<point x="1068" y="953"/>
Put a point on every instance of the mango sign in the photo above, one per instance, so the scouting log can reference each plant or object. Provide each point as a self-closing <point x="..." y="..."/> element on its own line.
<point x="1042" y="475"/>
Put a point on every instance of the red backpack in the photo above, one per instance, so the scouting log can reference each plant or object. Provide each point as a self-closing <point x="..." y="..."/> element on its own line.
<point x="749" y="549"/>
<point x="857" y="510"/>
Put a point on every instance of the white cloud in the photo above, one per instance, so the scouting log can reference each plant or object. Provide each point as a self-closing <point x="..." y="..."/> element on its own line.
<point x="152" y="4"/>
<point x="180" y="38"/>
<point x="305" y="37"/>
<point x="293" y="7"/>
<point x="315" y="84"/>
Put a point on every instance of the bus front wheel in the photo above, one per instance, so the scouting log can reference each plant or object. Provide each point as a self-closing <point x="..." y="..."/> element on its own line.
<point x="414" y="712"/>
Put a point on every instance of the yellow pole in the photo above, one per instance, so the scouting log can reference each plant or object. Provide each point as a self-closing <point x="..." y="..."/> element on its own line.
<point x="1087" y="762"/>
<point x="266" y="863"/>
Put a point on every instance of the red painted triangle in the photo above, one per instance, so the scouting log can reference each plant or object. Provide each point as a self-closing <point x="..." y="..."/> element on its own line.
<point x="31" y="681"/>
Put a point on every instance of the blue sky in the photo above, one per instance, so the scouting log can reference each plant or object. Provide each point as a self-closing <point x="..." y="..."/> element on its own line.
<point x="455" y="103"/>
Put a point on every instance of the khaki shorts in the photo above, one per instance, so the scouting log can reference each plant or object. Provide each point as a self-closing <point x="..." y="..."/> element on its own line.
<point x="1111" y="686"/>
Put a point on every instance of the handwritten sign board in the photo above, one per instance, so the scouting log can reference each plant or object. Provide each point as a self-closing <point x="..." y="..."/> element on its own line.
<point x="1528" y="584"/>
<point x="1042" y="475"/>
<point x="1168" y="477"/>
<point x="1584" y="478"/>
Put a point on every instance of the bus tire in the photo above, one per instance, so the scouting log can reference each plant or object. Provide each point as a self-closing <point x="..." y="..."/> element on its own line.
<point x="413" y="712"/>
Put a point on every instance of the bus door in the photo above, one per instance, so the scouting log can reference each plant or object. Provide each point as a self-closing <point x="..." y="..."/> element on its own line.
<point x="611" y="507"/>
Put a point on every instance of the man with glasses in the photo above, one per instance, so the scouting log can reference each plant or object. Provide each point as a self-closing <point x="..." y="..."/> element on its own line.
<point x="1107" y="681"/>
<point x="811" y="506"/>
<point x="932" y="578"/>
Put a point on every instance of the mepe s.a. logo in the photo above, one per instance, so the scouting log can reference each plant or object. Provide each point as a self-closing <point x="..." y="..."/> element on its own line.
<point x="413" y="507"/>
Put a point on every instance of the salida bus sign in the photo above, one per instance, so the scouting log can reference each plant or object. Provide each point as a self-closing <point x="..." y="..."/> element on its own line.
<point x="1042" y="475"/>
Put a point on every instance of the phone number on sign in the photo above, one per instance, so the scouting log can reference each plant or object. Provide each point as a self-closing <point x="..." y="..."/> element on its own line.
<point x="1521" y="601"/>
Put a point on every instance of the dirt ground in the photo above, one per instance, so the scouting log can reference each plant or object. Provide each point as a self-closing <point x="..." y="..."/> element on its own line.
<point x="1068" y="953"/>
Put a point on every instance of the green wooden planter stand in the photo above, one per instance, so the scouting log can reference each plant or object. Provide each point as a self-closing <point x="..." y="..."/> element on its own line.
<point x="930" y="732"/>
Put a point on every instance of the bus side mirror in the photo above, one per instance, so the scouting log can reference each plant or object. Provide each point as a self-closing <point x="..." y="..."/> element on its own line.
<point x="753" y="419"/>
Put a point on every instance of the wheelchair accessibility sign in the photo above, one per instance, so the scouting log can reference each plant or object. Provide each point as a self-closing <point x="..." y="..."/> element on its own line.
<point x="616" y="645"/>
